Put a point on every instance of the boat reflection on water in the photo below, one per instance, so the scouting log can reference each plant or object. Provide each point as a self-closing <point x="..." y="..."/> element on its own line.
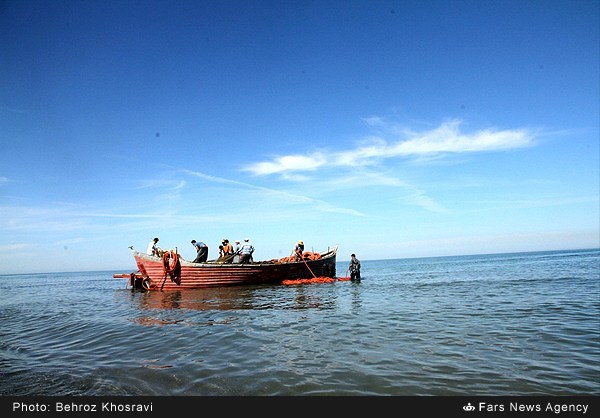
<point x="222" y="299"/>
<point x="238" y="298"/>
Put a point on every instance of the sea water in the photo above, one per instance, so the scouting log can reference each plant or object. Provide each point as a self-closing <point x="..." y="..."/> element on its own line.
<point x="502" y="324"/>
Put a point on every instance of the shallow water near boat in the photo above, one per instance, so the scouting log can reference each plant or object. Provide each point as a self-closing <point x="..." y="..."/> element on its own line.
<point x="503" y="324"/>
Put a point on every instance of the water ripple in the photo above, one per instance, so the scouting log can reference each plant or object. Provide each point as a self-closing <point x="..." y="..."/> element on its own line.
<point x="481" y="325"/>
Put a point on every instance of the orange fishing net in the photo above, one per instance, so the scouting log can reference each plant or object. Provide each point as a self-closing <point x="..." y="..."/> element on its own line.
<point x="307" y="256"/>
<point x="320" y="279"/>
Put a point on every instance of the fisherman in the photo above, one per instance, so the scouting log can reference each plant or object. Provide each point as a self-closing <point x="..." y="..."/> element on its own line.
<point x="225" y="252"/>
<point x="153" y="249"/>
<point x="236" y="251"/>
<point x="246" y="251"/>
<point x="299" y="250"/>
<point x="227" y="247"/>
<point x="354" y="268"/>
<point x="201" y="251"/>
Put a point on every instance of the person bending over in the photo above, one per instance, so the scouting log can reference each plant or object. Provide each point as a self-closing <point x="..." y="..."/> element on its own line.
<point x="201" y="251"/>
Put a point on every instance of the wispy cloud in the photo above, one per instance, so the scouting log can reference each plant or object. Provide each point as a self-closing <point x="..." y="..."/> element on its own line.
<point x="449" y="139"/>
<point x="411" y="194"/>
<point x="162" y="184"/>
<point x="13" y="247"/>
<point x="362" y="165"/>
<point x="320" y="205"/>
<point x="30" y="219"/>
<point x="168" y="189"/>
<point x="445" y="139"/>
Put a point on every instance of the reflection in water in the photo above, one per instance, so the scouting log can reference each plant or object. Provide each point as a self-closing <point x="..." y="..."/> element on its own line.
<point x="239" y="298"/>
<point x="198" y="299"/>
<point x="155" y="306"/>
<point x="356" y="297"/>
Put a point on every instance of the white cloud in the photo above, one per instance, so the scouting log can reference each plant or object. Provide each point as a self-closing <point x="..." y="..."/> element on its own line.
<point x="447" y="138"/>
<point x="369" y="154"/>
<point x="290" y="163"/>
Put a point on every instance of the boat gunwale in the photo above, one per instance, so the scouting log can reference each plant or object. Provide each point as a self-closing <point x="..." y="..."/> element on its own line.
<point x="216" y="264"/>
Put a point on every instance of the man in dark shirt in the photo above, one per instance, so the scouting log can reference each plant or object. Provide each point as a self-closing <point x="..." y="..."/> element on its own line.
<point x="201" y="251"/>
<point x="354" y="268"/>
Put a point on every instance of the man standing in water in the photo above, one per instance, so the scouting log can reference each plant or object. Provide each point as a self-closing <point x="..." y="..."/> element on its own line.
<point x="354" y="268"/>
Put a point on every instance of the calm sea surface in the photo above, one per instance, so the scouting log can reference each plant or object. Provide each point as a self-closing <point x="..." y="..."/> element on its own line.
<point x="503" y="324"/>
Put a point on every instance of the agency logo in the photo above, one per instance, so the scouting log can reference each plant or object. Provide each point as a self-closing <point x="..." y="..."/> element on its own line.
<point x="468" y="407"/>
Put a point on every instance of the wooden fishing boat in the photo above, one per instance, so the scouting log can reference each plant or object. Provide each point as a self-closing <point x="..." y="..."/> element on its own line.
<point x="172" y="272"/>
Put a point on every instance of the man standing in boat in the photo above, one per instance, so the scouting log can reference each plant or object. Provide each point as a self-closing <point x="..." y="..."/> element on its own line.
<point x="225" y="252"/>
<point x="246" y="251"/>
<point x="299" y="250"/>
<point x="236" y="252"/>
<point x="354" y="268"/>
<point x="201" y="251"/>
<point x="153" y="249"/>
<point x="227" y="247"/>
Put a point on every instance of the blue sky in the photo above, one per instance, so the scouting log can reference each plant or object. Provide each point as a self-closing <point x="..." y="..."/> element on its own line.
<point x="392" y="129"/>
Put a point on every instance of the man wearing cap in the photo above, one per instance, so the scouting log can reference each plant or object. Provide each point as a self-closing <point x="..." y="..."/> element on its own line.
<point x="246" y="251"/>
<point x="299" y="250"/>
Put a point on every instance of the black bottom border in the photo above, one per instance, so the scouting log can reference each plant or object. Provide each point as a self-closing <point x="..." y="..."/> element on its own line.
<point x="267" y="406"/>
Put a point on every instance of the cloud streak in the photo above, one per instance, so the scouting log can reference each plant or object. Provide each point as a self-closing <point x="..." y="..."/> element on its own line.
<point x="445" y="139"/>
<point x="320" y="205"/>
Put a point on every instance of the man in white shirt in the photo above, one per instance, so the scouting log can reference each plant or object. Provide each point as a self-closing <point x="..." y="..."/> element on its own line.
<point x="152" y="248"/>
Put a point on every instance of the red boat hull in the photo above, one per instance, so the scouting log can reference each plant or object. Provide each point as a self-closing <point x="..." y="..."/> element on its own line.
<point x="153" y="275"/>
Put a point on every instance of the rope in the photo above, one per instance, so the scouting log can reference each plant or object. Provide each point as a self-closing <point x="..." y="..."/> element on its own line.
<point x="311" y="272"/>
<point x="170" y="266"/>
